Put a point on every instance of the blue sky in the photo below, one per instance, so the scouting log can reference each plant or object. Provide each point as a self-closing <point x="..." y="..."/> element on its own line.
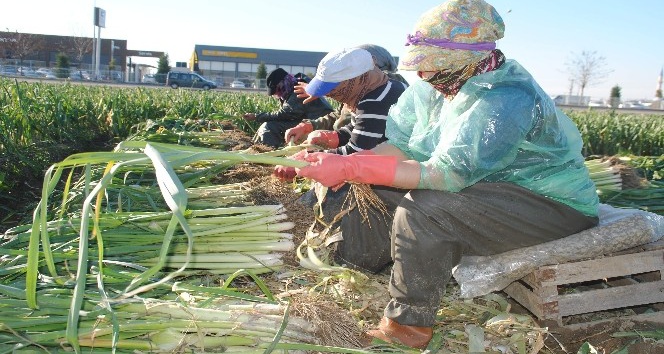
<point x="541" y="35"/>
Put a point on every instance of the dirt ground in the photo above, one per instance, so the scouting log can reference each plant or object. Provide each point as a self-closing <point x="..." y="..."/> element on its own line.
<point x="601" y="337"/>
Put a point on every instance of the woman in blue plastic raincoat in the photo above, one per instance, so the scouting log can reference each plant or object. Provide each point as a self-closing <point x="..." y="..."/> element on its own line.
<point x="478" y="161"/>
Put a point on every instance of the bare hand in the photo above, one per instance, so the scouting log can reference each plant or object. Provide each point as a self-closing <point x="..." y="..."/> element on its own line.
<point x="300" y="91"/>
<point x="300" y="88"/>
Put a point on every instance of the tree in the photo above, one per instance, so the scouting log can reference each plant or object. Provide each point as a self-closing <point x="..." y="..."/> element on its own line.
<point x="163" y="67"/>
<point x="261" y="74"/>
<point x="261" y="71"/>
<point x="62" y="65"/>
<point x="21" y="45"/>
<point x="615" y="96"/>
<point x="82" y="46"/>
<point x="587" y="69"/>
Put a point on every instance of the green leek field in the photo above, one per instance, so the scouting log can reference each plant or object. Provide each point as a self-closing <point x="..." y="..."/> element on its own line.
<point x="120" y="233"/>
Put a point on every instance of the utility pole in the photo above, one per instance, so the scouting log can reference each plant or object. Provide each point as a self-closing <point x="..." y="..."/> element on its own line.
<point x="658" y="90"/>
<point x="98" y="55"/>
<point x="94" y="48"/>
<point x="113" y="48"/>
<point x="94" y="37"/>
<point x="571" y="88"/>
<point x="100" y="21"/>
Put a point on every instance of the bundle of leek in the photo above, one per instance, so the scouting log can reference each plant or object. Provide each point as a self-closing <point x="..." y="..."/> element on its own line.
<point x="604" y="175"/>
<point x="163" y="159"/>
<point x="190" y="323"/>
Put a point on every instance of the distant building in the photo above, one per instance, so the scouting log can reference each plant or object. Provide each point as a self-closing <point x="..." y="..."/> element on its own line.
<point x="226" y="64"/>
<point x="44" y="48"/>
<point x="41" y="50"/>
<point x="571" y="100"/>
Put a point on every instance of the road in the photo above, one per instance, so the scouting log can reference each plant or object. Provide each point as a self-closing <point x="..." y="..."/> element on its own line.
<point x="114" y="83"/>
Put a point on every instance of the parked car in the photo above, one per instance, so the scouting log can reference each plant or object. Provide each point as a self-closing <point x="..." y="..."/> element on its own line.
<point x="238" y="84"/>
<point x="44" y="72"/>
<point x="176" y="79"/>
<point x="149" y="79"/>
<point x="597" y="104"/>
<point x="49" y="75"/>
<point x="8" y="70"/>
<point x="632" y="105"/>
<point x="25" y="71"/>
<point x="78" y="75"/>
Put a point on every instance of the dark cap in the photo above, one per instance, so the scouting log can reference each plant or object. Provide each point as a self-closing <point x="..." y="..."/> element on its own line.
<point x="302" y="77"/>
<point x="275" y="77"/>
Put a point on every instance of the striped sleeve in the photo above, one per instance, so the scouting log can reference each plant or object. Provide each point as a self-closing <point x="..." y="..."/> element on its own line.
<point x="368" y="128"/>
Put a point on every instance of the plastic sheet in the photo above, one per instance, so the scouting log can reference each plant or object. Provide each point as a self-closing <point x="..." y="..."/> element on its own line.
<point x="619" y="229"/>
<point x="501" y="127"/>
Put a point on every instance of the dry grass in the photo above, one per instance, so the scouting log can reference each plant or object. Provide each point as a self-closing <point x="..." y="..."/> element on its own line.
<point x="334" y="326"/>
<point x="362" y="197"/>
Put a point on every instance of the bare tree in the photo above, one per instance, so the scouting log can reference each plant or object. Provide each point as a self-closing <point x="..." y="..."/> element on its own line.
<point x="7" y="44"/>
<point x="21" y="45"/>
<point x="82" y="46"/>
<point x="587" y="69"/>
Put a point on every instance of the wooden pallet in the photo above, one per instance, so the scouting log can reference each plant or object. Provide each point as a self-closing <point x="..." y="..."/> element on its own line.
<point x="626" y="280"/>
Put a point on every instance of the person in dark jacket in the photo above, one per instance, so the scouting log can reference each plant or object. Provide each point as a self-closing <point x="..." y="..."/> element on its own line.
<point x="280" y="84"/>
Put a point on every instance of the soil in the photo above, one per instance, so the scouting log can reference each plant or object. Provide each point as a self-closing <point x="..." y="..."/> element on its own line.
<point x="570" y="337"/>
<point x="601" y="337"/>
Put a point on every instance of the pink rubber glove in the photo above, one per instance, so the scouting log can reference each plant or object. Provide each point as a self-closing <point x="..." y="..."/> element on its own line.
<point x="331" y="170"/>
<point x="287" y="173"/>
<point x="328" y="139"/>
<point x="299" y="132"/>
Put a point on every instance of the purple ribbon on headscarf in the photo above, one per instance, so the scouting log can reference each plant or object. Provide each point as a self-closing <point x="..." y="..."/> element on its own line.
<point x="419" y="39"/>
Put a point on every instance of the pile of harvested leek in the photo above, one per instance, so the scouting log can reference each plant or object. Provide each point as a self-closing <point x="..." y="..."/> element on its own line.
<point x="605" y="176"/>
<point x="97" y="250"/>
<point x="185" y="324"/>
<point x="612" y="190"/>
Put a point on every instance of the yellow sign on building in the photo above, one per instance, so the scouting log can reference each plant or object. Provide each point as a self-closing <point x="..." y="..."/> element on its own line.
<point x="220" y="53"/>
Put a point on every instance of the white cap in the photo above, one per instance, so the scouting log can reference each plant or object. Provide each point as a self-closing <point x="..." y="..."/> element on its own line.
<point x="336" y="67"/>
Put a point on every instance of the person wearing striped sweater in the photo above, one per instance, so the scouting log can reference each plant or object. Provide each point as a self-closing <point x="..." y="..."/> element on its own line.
<point x="352" y="78"/>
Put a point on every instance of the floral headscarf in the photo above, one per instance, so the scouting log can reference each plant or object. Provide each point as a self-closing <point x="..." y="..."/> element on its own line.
<point x="453" y="35"/>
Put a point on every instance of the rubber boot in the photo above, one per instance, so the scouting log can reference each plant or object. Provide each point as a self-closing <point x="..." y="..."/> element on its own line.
<point x="392" y="332"/>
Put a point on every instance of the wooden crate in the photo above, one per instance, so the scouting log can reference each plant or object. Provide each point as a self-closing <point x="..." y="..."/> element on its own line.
<point x="616" y="283"/>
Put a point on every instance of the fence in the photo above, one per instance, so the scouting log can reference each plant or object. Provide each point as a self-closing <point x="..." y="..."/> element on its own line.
<point x="39" y="69"/>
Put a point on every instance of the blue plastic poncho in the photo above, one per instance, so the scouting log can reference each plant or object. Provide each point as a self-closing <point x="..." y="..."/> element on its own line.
<point x="501" y="127"/>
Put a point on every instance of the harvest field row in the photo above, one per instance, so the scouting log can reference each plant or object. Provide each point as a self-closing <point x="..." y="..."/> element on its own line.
<point x="42" y="123"/>
<point x="133" y="248"/>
